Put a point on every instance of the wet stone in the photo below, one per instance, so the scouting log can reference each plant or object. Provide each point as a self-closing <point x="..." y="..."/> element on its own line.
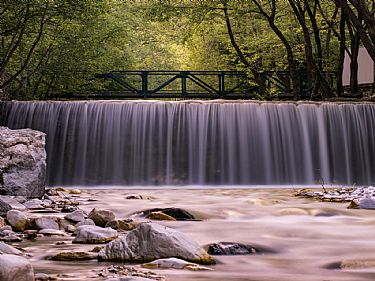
<point x="231" y="248"/>
<point x="175" y="213"/>
<point x="73" y="256"/>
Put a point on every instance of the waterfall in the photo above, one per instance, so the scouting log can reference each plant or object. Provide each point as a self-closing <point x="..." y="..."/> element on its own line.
<point x="201" y="142"/>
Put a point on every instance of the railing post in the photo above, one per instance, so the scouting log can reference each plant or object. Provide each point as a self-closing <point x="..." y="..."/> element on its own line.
<point x="183" y="83"/>
<point x="221" y="83"/>
<point x="144" y="83"/>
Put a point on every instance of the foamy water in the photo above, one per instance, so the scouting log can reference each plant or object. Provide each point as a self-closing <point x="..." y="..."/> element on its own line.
<point x="306" y="235"/>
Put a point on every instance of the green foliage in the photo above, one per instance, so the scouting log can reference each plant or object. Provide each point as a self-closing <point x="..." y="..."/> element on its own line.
<point x="53" y="47"/>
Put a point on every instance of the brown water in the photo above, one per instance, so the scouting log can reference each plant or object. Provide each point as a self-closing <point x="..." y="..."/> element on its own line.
<point x="306" y="235"/>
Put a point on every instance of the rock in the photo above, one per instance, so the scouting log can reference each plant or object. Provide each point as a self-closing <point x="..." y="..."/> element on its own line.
<point x="68" y="209"/>
<point x="31" y="234"/>
<point x="22" y="162"/>
<point x="101" y="217"/>
<point x="70" y="228"/>
<point x="14" y="268"/>
<point x="86" y="222"/>
<point x="120" y="225"/>
<point x="176" y="213"/>
<point x="159" y="216"/>
<point x="366" y="203"/>
<point x="134" y="197"/>
<point x="34" y="204"/>
<point x="17" y="219"/>
<point x="292" y="212"/>
<point x="42" y="277"/>
<point x="150" y="241"/>
<point x="2" y="222"/>
<point x="353" y="205"/>
<point x="7" y="249"/>
<point x="125" y="271"/>
<point x="90" y="234"/>
<point x="73" y="256"/>
<point x="232" y="248"/>
<point x="7" y="203"/>
<point x="174" y="263"/>
<point x="7" y="235"/>
<point x="75" y="191"/>
<point x="51" y="232"/>
<point x="76" y="216"/>
<point x="46" y="223"/>
<point x="355" y="264"/>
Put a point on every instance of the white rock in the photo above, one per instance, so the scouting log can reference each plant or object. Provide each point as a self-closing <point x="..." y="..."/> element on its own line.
<point x="17" y="219"/>
<point x="22" y="162"/>
<point x="91" y="234"/>
<point x="52" y="232"/>
<point x="150" y="241"/>
<point x="174" y="263"/>
<point x="15" y="268"/>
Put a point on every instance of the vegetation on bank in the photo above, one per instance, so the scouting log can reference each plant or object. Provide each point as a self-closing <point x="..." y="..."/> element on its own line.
<point x="52" y="47"/>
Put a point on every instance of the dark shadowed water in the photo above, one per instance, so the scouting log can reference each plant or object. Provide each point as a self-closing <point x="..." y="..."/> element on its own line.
<point x="205" y="143"/>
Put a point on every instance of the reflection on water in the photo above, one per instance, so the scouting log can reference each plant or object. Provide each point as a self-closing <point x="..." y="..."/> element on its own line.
<point x="307" y="236"/>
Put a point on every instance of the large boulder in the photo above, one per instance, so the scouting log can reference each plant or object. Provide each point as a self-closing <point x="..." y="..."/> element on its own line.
<point x="150" y="241"/>
<point x="14" y="267"/>
<point x="22" y="162"/>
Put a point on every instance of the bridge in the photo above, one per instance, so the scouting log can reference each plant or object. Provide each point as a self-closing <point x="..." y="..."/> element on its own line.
<point x="178" y="84"/>
<point x="195" y="84"/>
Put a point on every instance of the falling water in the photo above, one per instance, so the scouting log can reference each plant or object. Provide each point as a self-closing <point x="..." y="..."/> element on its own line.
<point x="191" y="142"/>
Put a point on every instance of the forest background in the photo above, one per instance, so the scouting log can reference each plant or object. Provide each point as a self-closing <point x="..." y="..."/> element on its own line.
<point x="52" y="47"/>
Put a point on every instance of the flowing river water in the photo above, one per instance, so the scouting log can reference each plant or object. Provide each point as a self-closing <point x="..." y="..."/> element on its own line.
<point x="307" y="237"/>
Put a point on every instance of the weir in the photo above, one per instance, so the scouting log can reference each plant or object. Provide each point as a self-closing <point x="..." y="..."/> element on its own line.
<point x="201" y="142"/>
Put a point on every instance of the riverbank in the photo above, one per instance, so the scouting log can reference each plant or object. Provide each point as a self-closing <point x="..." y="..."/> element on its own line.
<point x="308" y="240"/>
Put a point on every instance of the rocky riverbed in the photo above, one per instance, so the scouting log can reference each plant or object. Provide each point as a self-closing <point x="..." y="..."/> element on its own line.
<point x="189" y="234"/>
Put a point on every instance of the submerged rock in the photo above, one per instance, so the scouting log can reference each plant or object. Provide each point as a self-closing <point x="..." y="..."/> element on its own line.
<point x="232" y="248"/>
<point x="174" y="263"/>
<point x="101" y="217"/>
<point x="120" y="225"/>
<point x="22" y="162"/>
<point x="175" y="213"/>
<point x="354" y="264"/>
<point x="90" y="234"/>
<point x="73" y="256"/>
<point x="150" y="241"/>
<point x="13" y="267"/>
